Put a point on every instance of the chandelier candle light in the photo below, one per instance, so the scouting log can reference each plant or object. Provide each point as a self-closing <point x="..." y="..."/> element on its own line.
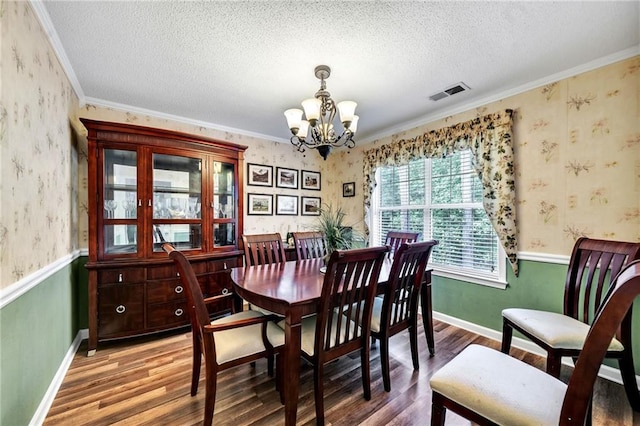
<point x="319" y="113"/>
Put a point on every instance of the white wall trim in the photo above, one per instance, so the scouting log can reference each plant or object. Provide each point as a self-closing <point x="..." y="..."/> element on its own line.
<point x="606" y="372"/>
<point x="47" y="400"/>
<point x="47" y="25"/>
<point x="163" y="115"/>
<point x="475" y="103"/>
<point x="54" y="39"/>
<point x="543" y="257"/>
<point x="17" y="289"/>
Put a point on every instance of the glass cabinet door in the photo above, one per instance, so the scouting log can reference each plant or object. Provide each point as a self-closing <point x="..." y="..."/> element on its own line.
<point x="224" y="204"/>
<point x="177" y="201"/>
<point x="120" y="201"/>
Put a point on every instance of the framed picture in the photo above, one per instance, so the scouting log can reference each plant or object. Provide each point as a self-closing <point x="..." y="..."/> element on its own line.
<point x="287" y="205"/>
<point x="259" y="175"/>
<point x="349" y="189"/>
<point x="310" y="180"/>
<point x="286" y="178"/>
<point x="260" y="204"/>
<point x="310" y="206"/>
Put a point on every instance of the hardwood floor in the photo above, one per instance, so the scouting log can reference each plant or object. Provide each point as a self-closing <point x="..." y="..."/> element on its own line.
<point x="146" y="381"/>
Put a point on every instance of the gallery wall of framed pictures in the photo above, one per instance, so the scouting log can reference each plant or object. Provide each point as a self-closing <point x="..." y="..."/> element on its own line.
<point x="260" y="202"/>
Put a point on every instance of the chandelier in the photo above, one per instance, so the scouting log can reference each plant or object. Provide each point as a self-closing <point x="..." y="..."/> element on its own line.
<point x="319" y="113"/>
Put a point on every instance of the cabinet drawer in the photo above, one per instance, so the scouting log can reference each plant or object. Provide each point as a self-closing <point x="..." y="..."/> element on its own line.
<point x="125" y="275"/>
<point x="218" y="282"/>
<point x="170" y="271"/>
<point x="161" y="291"/>
<point x="219" y="265"/>
<point x="120" y="310"/>
<point x="167" y="314"/>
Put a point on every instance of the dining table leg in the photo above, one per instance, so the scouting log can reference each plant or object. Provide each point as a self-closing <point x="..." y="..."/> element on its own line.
<point x="427" y="312"/>
<point x="291" y="368"/>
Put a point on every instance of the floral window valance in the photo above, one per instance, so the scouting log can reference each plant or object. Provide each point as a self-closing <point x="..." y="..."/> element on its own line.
<point x="490" y="140"/>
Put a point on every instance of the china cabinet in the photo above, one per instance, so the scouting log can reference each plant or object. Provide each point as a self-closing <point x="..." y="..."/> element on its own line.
<point x="147" y="186"/>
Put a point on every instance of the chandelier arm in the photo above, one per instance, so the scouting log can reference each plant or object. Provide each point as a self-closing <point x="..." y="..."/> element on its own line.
<point x="322" y="136"/>
<point x="298" y="143"/>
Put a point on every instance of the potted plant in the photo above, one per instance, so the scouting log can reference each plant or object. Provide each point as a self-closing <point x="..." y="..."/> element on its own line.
<point x="338" y="235"/>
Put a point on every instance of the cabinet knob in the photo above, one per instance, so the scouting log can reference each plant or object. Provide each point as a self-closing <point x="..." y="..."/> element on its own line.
<point x="149" y="204"/>
<point x="140" y="202"/>
<point x="178" y="289"/>
<point x="177" y="274"/>
<point x="179" y="312"/>
<point x="119" y="278"/>
<point x="225" y="290"/>
<point x="120" y="309"/>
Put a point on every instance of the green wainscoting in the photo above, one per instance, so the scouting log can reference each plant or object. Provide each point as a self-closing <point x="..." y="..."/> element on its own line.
<point x="538" y="286"/>
<point x="36" y="331"/>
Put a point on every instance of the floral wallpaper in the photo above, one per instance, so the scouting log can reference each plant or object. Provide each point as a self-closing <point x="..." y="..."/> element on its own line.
<point x="260" y="151"/>
<point x="577" y="158"/>
<point x="38" y="169"/>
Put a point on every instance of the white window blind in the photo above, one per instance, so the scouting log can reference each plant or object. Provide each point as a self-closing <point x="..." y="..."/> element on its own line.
<point x="442" y="199"/>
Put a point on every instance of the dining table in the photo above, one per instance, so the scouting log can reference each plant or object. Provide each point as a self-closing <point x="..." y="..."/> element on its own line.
<point x="292" y="289"/>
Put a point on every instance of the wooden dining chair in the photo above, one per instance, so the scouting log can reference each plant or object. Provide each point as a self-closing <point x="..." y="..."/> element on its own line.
<point x="490" y="387"/>
<point x="395" y="238"/>
<point x="227" y="342"/>
<point x="310" y="245"/>
<point x="348" y="290"/>
<point x="397" y="309"/>
<point x="593" y="264"/>
<point x="262" y="249"/>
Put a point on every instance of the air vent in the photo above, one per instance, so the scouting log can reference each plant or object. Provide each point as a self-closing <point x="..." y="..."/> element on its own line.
<point x="456" y="88"/>
<point x="438" y="96"/>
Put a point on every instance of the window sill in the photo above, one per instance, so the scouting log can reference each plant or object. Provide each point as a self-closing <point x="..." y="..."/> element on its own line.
<point x="474" y="279"/>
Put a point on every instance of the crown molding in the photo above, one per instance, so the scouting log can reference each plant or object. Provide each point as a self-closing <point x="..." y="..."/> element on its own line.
<point x="589" y="66"/>
<point x="156" y="114"/>
<point x="45" y="20"/>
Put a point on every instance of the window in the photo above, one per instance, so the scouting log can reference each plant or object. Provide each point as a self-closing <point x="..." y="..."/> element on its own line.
<point x="442" y="199"/>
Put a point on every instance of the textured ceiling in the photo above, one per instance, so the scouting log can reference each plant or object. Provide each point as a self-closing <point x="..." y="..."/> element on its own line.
<point x="239" y="65"/>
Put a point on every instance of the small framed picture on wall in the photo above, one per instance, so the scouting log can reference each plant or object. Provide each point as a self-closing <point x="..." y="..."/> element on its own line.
<point x="287" y="205"/>
<point x="349" y="189"/>
<point x="259" y="175"/>
<point x="310" y="206"/>
<point x="310" y="180"/>
<point x="286" y="178"/>
<point x="260" y="204"/>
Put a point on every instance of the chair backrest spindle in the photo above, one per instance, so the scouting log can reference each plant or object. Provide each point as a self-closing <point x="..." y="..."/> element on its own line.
<point x="310" y="245"/>
<point x="395" y="238"/>
<point x="594" y="264"/>
<point x="348" y="290"/>
<point x="263" y="249"/>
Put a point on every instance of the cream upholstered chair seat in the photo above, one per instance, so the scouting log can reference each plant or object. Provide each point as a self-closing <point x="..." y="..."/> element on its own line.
<point x="490" y="387"/>
<point x="476" y="379"/>
<point x="308" y="331"/>
<point x="556" y="330"/>
<point x="593" y="266"/>
<point x="376" y="314"/>
<point x="349" y="283"/>
<point x="241" y="342"/>
<point x="239" y="338"/>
